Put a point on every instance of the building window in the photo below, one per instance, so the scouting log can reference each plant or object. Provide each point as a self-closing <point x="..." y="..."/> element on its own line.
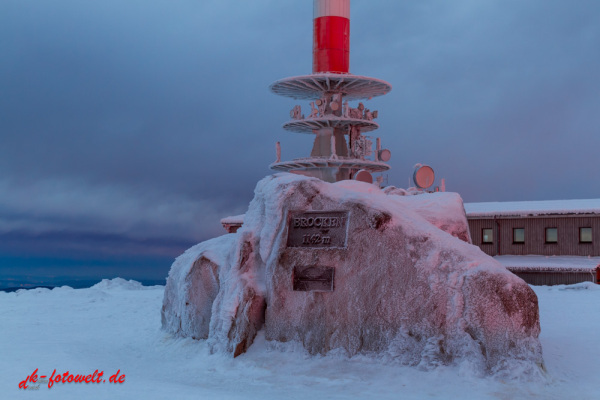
<point x="551" y="235"/>
<point x="518" y="235"/>
<point x="585" y="235"/>
<point x="487" y="235"/>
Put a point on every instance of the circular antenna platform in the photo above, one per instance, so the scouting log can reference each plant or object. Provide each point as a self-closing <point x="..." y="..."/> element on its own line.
<point x="423" y="176"/>
<point x="363" y="176"/>
<point x="310" y="87"/>
<point x="308" y="125"/>
<point x="310" y="163"/>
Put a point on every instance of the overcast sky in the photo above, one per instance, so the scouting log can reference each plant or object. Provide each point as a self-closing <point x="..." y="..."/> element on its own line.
<point x="128" y="129"/>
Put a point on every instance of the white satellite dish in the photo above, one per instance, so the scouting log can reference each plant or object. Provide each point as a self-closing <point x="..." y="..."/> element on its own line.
<point x="363" y="176"/>
<point x="424" y="176"/>
<point x="385" y="155"/>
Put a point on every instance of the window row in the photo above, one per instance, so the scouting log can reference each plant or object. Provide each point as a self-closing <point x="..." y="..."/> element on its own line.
<point x="585" y="235"/>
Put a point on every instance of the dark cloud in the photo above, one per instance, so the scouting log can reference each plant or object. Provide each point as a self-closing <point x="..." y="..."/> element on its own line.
<point x="497" y="96"/>
<point x="86" y="245"/>
<point x="151" y="121"/>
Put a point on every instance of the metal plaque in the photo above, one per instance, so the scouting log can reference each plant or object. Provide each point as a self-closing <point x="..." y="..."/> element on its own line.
<point x="313" y="279"/>
<point x="321" y="229"/>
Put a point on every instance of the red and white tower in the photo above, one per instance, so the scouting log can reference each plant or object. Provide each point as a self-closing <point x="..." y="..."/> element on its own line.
<point x="331" y="36"/>
<point x="340" y="150"/>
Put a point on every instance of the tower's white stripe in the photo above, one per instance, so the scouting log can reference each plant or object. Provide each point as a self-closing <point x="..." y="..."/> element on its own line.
<point x="332" y="8"/>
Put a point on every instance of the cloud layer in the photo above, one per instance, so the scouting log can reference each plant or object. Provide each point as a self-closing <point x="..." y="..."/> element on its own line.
<point x="151" y="121"/>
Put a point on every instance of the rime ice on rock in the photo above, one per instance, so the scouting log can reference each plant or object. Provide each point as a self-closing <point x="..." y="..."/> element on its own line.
<point x="347" y="266"/>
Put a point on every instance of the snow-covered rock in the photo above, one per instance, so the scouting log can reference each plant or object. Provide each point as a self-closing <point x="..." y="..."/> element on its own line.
<point x="444" y="210"/>
<point x="119" y="283"/>
<point x="384" y="273"/>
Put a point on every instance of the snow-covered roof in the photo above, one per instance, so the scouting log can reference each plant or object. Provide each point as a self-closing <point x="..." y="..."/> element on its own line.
<point x="549" y="263"/>
<point x="533" y="208"/>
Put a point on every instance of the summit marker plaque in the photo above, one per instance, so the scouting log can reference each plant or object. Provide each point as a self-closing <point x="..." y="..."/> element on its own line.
<point x="318" y="229"/>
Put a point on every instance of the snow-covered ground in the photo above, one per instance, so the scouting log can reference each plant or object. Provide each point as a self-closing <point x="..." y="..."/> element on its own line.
<point x="115" y="325"/>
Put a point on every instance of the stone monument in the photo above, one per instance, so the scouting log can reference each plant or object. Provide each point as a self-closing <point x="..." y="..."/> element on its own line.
<point x="332" y="262"/>
<point x="346" y="266"/>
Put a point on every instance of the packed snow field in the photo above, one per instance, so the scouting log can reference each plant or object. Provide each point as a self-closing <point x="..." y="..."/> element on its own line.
<point x="115" y="325"/>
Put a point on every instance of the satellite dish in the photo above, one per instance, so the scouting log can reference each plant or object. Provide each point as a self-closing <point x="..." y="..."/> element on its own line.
<point x="385" y="155"/>
<point x="423" y="176"/>
<point x="363" y="176"/>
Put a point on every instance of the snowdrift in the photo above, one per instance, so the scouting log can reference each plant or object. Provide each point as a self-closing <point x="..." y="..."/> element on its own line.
<point x="401" y="279"/>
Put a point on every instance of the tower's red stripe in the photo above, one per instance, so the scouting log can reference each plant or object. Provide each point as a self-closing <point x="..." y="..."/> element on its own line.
<point x="331" y="48"/>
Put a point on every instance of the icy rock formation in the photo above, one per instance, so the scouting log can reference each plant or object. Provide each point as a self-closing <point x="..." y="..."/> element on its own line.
<point x="444" y="210"/>
<point x="403" y="283"/>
